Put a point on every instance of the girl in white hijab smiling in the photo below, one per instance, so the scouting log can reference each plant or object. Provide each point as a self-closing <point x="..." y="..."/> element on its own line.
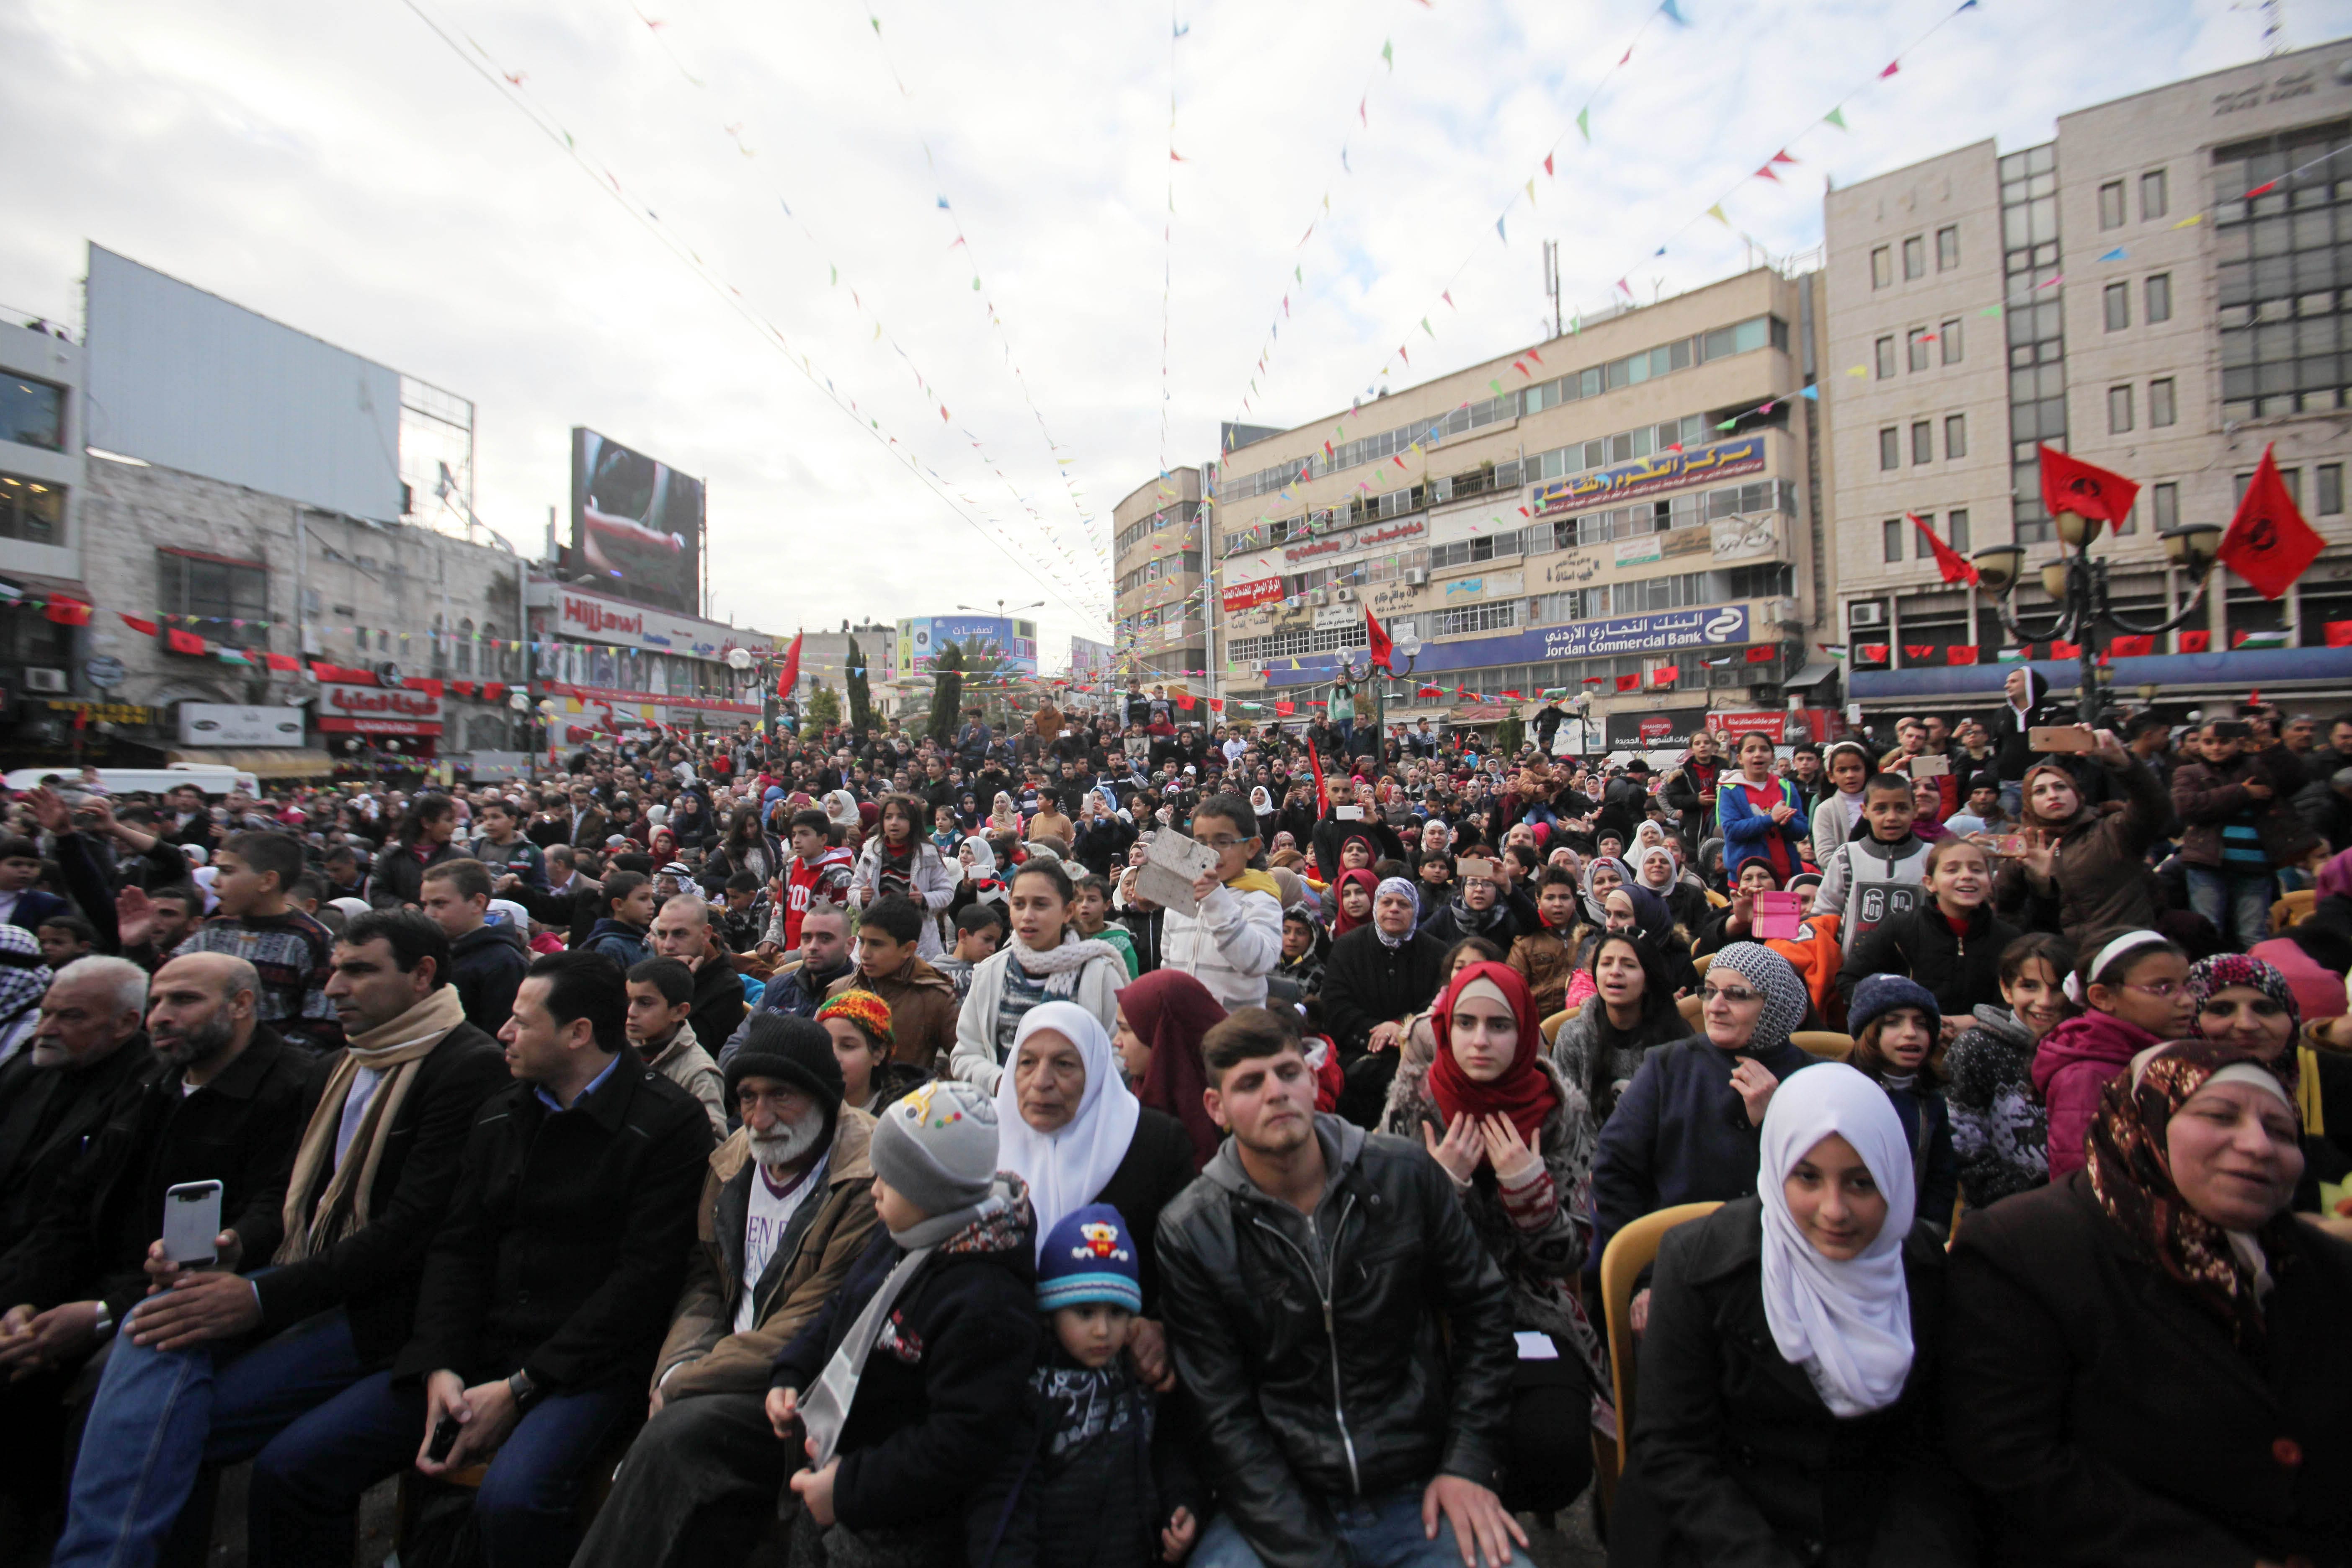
<point x="1785" y="1408"/>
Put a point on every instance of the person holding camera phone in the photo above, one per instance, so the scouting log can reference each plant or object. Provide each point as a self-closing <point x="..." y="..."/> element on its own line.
<point x="2081" y="871"/>
<point x="2239" y="826"/>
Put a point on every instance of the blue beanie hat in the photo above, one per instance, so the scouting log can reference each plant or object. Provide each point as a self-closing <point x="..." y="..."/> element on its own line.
<point x="1880" y="993"/>
<point x="1089" y="1256"/>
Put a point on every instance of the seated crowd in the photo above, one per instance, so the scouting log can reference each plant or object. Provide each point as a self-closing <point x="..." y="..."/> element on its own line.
<point x="1932" y="1153"/>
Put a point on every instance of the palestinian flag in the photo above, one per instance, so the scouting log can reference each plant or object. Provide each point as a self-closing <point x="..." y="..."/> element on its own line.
<point x="1835" y="649"/>
<point x="2010" y="656"/>
<point x="2257" y="639"/>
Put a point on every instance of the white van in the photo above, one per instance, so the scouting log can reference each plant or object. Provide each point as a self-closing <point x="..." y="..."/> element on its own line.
<point x="214" y="779"/>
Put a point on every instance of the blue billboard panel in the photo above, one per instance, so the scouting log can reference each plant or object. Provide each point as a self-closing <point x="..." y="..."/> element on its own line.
<point x="1013" y="641"/>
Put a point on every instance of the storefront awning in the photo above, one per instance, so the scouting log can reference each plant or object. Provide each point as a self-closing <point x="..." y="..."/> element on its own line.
<point x="1479" y="714"/>
<point x="1814" y="674"/>
<point x="261" y="762"/>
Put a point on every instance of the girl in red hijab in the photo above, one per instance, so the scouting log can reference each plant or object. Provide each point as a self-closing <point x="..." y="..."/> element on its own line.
<point x="1342" y="920"/>
<point x="1161" y="1018"/>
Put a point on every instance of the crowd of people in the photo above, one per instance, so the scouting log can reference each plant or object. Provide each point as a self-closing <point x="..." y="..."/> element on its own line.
<point x="859" y="1148"/>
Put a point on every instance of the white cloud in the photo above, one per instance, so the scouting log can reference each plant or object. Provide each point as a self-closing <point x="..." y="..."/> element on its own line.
<point x="342" y="170"/>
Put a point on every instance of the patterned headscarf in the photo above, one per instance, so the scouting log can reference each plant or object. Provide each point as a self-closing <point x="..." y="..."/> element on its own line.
<point x="24" y="978"/>
<point x="2210" y="975"/>
<point x="1784" y="993"/>
<point x="1397" y="885"/>
<point x="2131" y="1178"/>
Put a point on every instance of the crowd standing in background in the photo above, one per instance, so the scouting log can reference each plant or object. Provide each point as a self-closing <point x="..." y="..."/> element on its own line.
<point x="1919" y="1150"/>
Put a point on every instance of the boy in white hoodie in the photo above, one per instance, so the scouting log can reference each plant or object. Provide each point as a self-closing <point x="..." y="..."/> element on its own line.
<point x="1235" y="940"/>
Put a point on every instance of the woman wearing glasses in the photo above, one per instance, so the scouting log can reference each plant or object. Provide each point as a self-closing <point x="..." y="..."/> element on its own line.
<point x="2134" y="991"/>
<point x="2246" y="1003"/>
<point x="1685" y="1129"/>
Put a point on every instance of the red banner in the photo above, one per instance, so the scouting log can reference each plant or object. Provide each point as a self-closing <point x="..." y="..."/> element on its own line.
<point x="2339" y="634"/>
<point x="2132" y="646"/>
<point x="1248" y="596"/>
<point x="1966" y="653"/>
<point x="2196" y="642"/>
<point x="1774" y="727"/>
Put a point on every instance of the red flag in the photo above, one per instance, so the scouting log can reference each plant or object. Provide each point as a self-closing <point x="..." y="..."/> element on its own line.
<point x="1876" y="652"/>
<point x="2339" y="634"/>
<point x="2069" y="484"/>
<point x="1185" y="703"/>
<point x="2065" y="651"/>
<point x="1322" y="796"/>
<point x="1960" y="654"/>
<point x="68" y="612"/>
<point x="1285" y="710"/>
<point x="1765" y="653"/>
<point x="1951" y="565"/>
<point x="184" y="642"/>
<point x="2268" y="544"/>
<point x="1915" y="651"/>
<point x="1440" y="690"/>
<point x="2196" y="642"/>
<point x="2132" y="646"/>
<point x="493" y="692"/>
<point x="1666" y="675"/>
<point x="1377" y="641"/>
<point x="1629" y="683"/>
<point x="790" y="677"/>
<point x="1512" y="697"/>
<point x="1216" y="704"/>
<point x="419" y="683"/>
<point x="144" y="628"/>
<point x="284" y="663"/>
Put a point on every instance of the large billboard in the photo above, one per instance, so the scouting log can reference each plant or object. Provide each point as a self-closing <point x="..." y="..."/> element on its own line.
<point x="636" y="523"/>
<point x="921" y="637"/>
<point x="1087" y="656"/>
<point x="186" y="379"/>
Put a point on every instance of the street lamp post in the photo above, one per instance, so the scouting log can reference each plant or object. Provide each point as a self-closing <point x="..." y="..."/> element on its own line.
<point x="2079" y="586"/>
<point x="741" y="660"/>
<point x="1354" y="674"/>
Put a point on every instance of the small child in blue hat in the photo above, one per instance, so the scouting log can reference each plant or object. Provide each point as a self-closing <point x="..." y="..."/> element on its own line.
<point x="1101" y="1485"/>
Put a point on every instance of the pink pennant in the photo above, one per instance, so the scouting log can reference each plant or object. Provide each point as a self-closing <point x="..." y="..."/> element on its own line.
<point x="1360" y="104"/>
<point x="1892" y="67"/>
<point x="1546" y="163"/>
<point x="1765" y="174"/>
<point x="1782" y="156"/>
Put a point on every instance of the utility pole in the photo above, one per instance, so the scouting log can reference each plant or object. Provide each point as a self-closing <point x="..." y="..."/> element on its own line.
<point x="1551" y="280"/>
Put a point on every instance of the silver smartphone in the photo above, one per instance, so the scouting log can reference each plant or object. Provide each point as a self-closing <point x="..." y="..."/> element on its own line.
<point x="191" y="1222"/>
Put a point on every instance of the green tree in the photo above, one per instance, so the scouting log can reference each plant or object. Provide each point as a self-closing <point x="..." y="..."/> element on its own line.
<point x="861" y="697"/>
<point x="947" y="693"/>
<point x="821" y="709"/>
<point x="1510" y="735"/>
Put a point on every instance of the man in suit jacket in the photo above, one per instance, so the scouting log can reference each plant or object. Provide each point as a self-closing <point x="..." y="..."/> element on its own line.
<point x="590" y="827"/>
<point x="220" y="1362"/>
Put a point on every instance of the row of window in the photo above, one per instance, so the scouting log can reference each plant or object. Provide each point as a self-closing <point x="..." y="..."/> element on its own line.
<point x="2153" y="201"/>
<point x="1741" y="337"/>
<point x="1895" y="530"/>
<point x="1159" y="569"/>
<point x="31" y="511"/>
<point x="1923" y="442"/>
<point x="2116" y="301"/>
<point x="1921" y="347"/>
<point x="32" y="413"/>
<point x="2163" y="407"/>
<point x="1136" y="534"/>
<point x="2283" y="267"/>
<point x="1915" y="258"/>
<point x="1675" y="591"/>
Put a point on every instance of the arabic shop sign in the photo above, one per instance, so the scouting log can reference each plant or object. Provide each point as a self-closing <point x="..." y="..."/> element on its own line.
<point x="1249" y="595"/>
<point x="1652" y="475"/>
<point x="1370" y="537"/>
<point x="1667" y="630"/>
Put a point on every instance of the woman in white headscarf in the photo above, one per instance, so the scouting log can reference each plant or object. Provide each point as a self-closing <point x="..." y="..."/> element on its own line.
<point x="1787" y="1405"/>
<point x="1070" y="1126"/>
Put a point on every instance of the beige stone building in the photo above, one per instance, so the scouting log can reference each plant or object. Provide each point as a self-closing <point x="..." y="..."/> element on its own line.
<point x="2116" y="293"/>
<point x="1630" y="511"/>
<point x="1159" y="534"/>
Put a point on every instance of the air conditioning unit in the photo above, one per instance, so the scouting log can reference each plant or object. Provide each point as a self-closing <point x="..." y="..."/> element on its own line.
<point x="1319" y="596"/>
<point x="1781" y="611"/>
<point x="1417" y="578"/>
<point x="45" y="681"/>
<point x="1870" y="614"/>
<point x="1728" y="675"/>
<point x="1345" y="596"/>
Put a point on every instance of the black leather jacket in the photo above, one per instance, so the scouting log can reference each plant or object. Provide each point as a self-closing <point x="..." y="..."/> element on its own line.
<point x="1315" y="1346"/>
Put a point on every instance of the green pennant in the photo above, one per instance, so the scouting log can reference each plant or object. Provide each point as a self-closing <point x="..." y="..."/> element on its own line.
<point x="1837" y="116"/>
<point x="1584" y="122"/>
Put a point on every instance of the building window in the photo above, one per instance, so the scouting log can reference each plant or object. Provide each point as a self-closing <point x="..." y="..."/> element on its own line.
<point x="2152" y="203"/>
<point x="1501" y="616"/>
<point x="2276" y="276"/>
<point x="2119" y="410"/>
<point x="2165" y="505"/>
<point x="2118" y="303"/>
<point x="1915" y="347"/>
<point x="2111" y="205"/>
<point x="217" y="593"/>
<point x="2161" y="411"/>
<point x="1956" y="530"/>
<point x="1956" y="436"/>
<point x="32" y="413"/>
<point x="1923" y="441"/>
<point x="2291" y="478"/>
<point x="1948" y="335"/>
<point x="2331" y="488"/>
<point x="1915" y="258"/>
<point x="1947" y="248"/>
<point x="31" y="511"/>
<point x="1890" y="448"/>
<point x="1881" y="267"/>
<point x="1886" y="359"/>
<point x="1891" y="541"/>
<point x="2159" y="297"/>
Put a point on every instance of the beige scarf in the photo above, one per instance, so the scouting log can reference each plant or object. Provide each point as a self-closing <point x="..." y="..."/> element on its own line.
<point x="392" y="1050"/>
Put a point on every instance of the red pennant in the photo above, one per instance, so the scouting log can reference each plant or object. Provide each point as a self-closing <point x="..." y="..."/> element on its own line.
<point x="2268" y="544"/>
<point x="1629" y="683"/>
<point x="1765" y="653"/>
<point x="1216" y="704"/>
<point x="2065" y="651"/>
<point x="419" y="683"/>
<point x="1285" y="710"/>
<point x="2069" y="484"/>
<point x="493" y="692"/>
<point x="2339" y="634"/>
<point x="1512" y="697"/>
<point x="1185" y="703"/>
<point x="2196" y="642"/>
<point x="184" y="642"/>
<point x="1665" y="677"/>
<point x="1876" y="652"/>
<point x="788" y="678"/>
<point x="283" y="663"/>
<point x="1439" y="691"/>
<point x="1951" y="565"/>
<point x="1915" y="651"/>
<point x="1960" y="654"/>
<point x="68" y="612"/>
<point x="1376" y="640"/>
<point x="144" y="628"/>
<point x="2132" y="646"/>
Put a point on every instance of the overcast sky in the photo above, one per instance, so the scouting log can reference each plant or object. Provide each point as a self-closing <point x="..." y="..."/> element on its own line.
<point x="343" y="169"/>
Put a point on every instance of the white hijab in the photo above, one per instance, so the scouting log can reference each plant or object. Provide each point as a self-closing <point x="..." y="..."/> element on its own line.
<point x="1847" y="1323"/>
<point x="1068" y="1169"/>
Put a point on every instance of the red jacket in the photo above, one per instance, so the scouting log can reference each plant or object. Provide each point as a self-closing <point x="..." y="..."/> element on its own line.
<point x="2071" y="1067"/>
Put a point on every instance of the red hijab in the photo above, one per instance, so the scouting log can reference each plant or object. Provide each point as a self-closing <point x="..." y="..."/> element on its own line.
<point x="1342" y="923"/>
<point x="1525" y="1093"/>
<point x="1171" y="1010"/>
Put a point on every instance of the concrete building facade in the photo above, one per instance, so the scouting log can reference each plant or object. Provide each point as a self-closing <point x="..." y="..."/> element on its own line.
<point x="2162" y="290"/>
<point x="1159" y="537"/>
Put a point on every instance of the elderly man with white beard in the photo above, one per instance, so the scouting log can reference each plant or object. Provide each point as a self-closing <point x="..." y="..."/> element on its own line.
<point x="787" y="1208"/>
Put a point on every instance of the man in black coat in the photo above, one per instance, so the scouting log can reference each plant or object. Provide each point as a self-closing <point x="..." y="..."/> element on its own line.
<point x="88" y="1050"/>
<point x="683" y="931"/>
<point x="486" y="961"/>
<point x="220" y="1362"/>
<point x="1331" y="833"/>
<point x="1323" y="1448"/>
<point x="545" y="1293"/>
<point x="225" y="1102"/>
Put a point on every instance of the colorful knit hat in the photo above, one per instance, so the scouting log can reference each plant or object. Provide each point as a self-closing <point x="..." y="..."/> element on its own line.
<point x="863" y="1008"/>
<point x="1089" y="1256"/>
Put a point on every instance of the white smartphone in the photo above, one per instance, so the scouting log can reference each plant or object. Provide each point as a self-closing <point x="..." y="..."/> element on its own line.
<point x="191" y="1222"/>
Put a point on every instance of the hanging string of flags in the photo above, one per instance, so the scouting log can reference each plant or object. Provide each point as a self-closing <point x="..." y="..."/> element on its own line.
<point x="509" y="86"/>
<point x="1176" y="31"/>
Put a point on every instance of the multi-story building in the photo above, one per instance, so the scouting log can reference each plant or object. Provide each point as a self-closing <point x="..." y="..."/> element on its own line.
<point x="41" y="481"/>
<point x="1630" y="511"/>
<point x="2162" y="290"/>
<point x="613" y="665"/>
<point x="1158" y="556"/>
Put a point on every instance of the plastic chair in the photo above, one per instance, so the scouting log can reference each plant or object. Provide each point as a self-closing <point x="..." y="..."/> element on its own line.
<point x="1717" y="900"/>
<point x="1826" y="1044"/>
<point x="1702" y="963"/>
<point x="2293" y="908"/>
<point x="1691" y="1008"/>
<point x="1550" y="1027"/>
<point x="1632" y="1250"/>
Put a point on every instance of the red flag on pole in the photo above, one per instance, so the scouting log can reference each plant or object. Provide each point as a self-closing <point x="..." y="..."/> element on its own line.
<point x="1377" y="641"/>
<point x="2070" y="484"/>
<point x="1951" y="565"/>
<point x="790" y="676"/>
<point x="1322" y="796"/>
<point x="2268" y="544"/>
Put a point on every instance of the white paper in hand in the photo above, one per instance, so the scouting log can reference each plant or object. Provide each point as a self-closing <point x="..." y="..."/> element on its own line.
<point x="1172" y="863"/>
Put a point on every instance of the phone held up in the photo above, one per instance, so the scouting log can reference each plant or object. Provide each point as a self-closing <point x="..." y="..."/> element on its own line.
<point x="191" y="1222"/>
